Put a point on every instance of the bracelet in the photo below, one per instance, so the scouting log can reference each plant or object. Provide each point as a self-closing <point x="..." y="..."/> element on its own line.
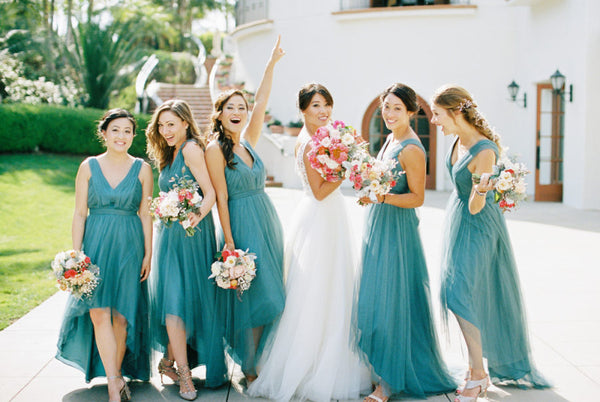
<point x="478" y="193"/>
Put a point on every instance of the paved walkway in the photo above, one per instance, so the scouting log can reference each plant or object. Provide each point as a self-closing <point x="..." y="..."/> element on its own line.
<point x="558" y="252"/>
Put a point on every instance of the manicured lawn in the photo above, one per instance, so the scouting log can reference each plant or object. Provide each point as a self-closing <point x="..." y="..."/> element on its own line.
<point x="37" y="193"/>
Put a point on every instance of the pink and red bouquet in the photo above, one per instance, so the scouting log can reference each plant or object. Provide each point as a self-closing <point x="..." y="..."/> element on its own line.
<point x="234" y="270"/>
<point x="371" y="177"/>
<point x="509" y="183"/>
<point x="332" y="147"/>
<point x="177" y="203"/>
<point x="75" y="273"/>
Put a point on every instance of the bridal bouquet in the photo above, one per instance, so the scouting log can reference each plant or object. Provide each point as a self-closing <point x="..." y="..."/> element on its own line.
<point x="177" y="203"/>
<point x="371" y="176"/>
<point x="75" y="273"/>
<point x="333" y="146"/>
<point x="509" y="183"/>
<point x="234" y="270"/>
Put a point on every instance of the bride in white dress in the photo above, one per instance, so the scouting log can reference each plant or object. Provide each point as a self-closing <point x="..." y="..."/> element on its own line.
<point x="309" y="355"/>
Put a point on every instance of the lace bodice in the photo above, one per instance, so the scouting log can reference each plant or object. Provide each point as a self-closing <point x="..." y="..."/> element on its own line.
<point x="303" y="138"/>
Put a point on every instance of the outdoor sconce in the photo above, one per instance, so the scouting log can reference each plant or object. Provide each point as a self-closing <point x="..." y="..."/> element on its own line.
<point x="558" y="82"/>
<point x="513" y="90"/>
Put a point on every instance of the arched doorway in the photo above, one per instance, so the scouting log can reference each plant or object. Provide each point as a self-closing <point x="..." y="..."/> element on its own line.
<point x="375" y="131"/>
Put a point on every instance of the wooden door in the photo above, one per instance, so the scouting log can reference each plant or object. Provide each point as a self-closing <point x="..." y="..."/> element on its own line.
<point x="549" y="145"/>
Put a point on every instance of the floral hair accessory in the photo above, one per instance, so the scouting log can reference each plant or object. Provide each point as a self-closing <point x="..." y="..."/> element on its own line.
<point x="465" y="105"/>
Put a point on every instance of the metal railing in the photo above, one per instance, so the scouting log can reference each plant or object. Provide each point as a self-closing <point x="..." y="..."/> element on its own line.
<point x="247" y="11"/>
<point x="361" y="4"/>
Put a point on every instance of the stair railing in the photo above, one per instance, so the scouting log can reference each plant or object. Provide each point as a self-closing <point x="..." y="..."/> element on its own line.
<point x="199" y="68"/>
<point x="140" y="84"/>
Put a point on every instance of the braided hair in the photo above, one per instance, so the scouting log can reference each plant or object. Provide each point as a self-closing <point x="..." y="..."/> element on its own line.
<point x="454" y="98"/>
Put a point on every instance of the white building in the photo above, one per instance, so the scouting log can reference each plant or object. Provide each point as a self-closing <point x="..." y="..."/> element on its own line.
<point x="357" y="49"/>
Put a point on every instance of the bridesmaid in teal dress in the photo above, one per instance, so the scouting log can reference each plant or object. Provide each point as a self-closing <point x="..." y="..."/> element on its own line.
<point x="248" y="219"/>
<point x="107" y="335"/>
<point x="480" y="282"/>
<point x="185" y="324"/>
<point x="396" y="334"/>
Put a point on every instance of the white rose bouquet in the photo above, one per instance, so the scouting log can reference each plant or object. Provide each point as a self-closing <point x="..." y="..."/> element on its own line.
<point x="75" y="273"/>
<point x="234" y="270"/>
<point x="177" y="203"/>
<point x="509" y="183"/>
<point x="371" y="176"/>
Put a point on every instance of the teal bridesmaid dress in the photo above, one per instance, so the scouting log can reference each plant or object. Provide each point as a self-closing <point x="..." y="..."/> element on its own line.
<point x="480" y="282"/>
<point x="255" y="226"/>
<point x="396" y="334"/>
<point x="114" y="241"/>
<point x="180" y="288"/>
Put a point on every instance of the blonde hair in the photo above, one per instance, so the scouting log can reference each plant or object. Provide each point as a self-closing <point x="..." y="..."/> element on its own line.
<point x="157" y="148"/>
<point x="457" y="99"/>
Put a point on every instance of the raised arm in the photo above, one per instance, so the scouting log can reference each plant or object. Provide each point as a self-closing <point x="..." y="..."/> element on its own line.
<point x="261" y="99"/>
<point x="147" y="181"/>
<point x="81" y="207"/>
<point x="216" y="169"/>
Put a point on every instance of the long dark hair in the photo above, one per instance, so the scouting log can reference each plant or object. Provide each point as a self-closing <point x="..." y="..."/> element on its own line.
<point x="157" y="148"/>
<point x="216" y="129"/>
<point x="406" y="94"/>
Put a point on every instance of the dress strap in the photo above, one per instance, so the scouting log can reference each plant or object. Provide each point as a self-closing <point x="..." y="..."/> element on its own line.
<point x="412" y="141"/>
<point x="484" y="144"/>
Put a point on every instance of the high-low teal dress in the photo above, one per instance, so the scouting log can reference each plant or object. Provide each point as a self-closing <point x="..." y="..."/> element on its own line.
<point x="396" y="334"/>
<point x="480" y="282"/>
<point x="114" y="241"/>
<point x="180" y="288"/>
<point x="255" y="226"/>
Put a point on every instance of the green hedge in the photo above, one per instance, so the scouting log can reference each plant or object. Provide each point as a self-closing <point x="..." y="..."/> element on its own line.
<point x="58" y="129"/>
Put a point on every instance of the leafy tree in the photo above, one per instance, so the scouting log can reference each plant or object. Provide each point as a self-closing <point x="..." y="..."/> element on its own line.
<point x="101" y="56"/>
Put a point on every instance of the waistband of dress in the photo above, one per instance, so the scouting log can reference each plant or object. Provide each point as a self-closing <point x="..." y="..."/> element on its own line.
<point x="111" y="211"/>
<point x="244" y="194"/>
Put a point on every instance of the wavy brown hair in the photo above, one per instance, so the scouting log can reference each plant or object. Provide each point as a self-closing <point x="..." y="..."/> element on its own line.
<point x="457" y="99"/>
<point x="216" y="129"/>
<point x="157" y="148"/>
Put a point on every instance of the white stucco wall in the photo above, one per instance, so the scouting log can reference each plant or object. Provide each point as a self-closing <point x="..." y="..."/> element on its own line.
<point x="483" y="49"/>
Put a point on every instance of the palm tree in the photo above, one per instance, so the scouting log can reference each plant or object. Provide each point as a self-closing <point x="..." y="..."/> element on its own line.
<point x="99" y="56"/>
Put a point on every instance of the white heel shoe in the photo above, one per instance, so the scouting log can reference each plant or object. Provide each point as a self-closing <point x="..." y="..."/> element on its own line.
<point x="482" y="384"/>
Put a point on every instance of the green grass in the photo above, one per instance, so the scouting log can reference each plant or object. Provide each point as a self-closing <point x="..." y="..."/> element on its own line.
<point x="37" y="193"/>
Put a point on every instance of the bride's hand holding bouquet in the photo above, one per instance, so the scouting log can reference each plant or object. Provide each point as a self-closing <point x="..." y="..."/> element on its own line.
<point x="333" y="146"/>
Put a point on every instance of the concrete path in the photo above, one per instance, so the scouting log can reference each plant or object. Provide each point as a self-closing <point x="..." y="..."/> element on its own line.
<point x="558" y="253"/>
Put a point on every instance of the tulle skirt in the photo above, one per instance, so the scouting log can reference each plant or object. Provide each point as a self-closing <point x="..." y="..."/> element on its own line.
<point x="182" y="294"/>
<point x="310" y="356"/>
<point x="396" y="332"/>
<point x="480" y="283"/>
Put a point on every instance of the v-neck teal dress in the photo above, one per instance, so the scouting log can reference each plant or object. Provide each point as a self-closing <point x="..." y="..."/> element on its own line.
<point x="480" y="281"/>
<point x="255" y="226"/>
<point x="396" y="334"/>
<point x="114" y="241"/>
<point x="180" y="289"/>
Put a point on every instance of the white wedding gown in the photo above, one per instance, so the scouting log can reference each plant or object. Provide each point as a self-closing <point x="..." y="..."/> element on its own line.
<point x="309" y="356"/>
